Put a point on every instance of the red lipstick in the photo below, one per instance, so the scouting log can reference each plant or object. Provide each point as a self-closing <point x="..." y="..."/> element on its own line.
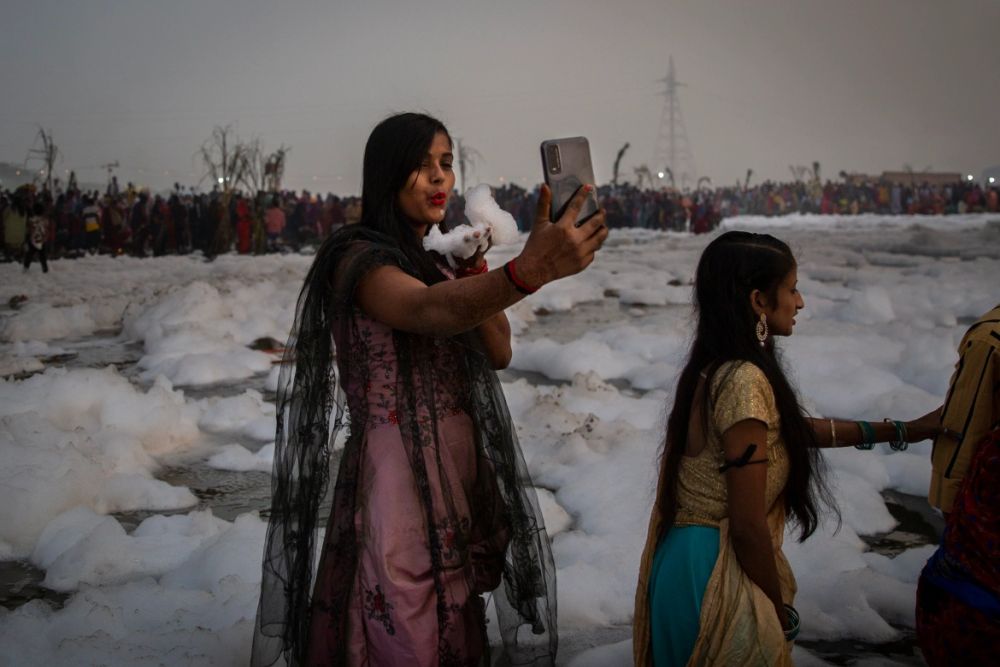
<point x="439" y="199"/>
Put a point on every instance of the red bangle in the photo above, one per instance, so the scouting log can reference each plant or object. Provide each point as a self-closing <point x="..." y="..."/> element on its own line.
<point x="465" y="273"/>
<point x="510" y="271"/>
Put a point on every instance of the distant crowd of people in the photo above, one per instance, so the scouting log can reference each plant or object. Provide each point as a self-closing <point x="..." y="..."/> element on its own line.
<point x="73" y="222"/>
<point x="134" y="222"/>
<point x="701" y="210"/>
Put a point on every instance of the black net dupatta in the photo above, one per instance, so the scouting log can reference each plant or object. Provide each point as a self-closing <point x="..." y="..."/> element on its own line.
<point x="316" y="408"/>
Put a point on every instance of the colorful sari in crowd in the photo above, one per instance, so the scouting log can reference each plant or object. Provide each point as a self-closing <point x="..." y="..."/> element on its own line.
<point x="694" y="603"/>
<point x="958" y="597"/>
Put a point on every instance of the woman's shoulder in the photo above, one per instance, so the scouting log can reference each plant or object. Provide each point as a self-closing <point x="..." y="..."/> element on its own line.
<point x="742" y="391"/>
<point x="739" y="373"/>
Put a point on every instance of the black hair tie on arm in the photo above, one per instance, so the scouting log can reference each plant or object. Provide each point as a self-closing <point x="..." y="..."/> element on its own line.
<point x="743" y="460"/>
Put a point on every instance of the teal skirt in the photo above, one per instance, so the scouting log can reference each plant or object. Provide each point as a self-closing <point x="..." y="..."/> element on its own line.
<point x="682" y="566"/>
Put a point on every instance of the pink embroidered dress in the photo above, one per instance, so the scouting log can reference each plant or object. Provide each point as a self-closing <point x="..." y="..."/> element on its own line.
<point x="393" y="619"/>
<point x="432" y="506"/>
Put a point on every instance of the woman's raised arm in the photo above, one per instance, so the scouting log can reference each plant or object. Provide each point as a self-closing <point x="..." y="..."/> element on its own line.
<point x="553" y="250"/>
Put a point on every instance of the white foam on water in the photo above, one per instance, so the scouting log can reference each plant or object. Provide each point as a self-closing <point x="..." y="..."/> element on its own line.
<point x="886" y="303"/>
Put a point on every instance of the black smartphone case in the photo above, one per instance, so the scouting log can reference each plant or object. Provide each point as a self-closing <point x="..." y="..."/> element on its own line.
<point x="567" y="167"/>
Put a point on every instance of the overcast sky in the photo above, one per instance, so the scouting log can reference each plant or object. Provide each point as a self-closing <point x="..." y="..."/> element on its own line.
<point x="858" y="85"/>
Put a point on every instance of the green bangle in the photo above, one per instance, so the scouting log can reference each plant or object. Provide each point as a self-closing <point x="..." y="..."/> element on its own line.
<point x="900" y="443"/>
<point x="867" y="436"/>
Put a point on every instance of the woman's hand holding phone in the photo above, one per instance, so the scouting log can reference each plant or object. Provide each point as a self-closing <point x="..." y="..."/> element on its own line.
<point x="556" y="249"/>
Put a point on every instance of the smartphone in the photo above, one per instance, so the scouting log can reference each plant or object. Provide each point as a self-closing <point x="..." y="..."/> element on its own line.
<point x="567" y="168"/>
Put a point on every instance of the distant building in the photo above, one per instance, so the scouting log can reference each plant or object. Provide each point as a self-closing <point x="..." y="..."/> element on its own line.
<point x="857" y="178"/>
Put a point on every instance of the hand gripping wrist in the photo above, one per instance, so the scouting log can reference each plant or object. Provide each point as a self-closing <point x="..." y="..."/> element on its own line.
<point x="472" y="271"/>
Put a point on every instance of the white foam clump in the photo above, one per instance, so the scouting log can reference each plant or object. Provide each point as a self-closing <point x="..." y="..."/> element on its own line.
<point x="237" y="458"/>
<point x="85" y="437"/>
<point x="575" y="436"/>
<point x="852" y="223"/>
<point x="647" y="359"/>
<point x="489" y="222"/>
<point x="39" y="321"/>
<point x="245" y="414"/>
<point x="177" y="590"/>
<point x="199" y="334"/>
<point x="15" y="365"/>
<point x="556" y="518"/>
<point x="82" y="547"/>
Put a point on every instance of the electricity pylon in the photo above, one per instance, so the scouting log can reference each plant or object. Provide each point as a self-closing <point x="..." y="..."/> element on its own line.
<point x="673" y="149"/>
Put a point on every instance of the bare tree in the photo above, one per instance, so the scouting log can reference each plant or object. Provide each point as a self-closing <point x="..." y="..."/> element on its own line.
<point x="48" y="153"/>
<point x="229" y="163"/>
<point x="746" y="183"/>
<point x="224" y="159"/>
<point x="274" y="168"/>
<point x="251" y="172"/>
<point x="798" y="172"/>
<point x="669" y="173"/>
<point x="618" y="161"/>
<point x="642" y="172"/>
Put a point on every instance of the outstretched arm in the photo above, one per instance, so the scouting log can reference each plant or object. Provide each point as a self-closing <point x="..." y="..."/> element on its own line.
<point x="844" y="433"/>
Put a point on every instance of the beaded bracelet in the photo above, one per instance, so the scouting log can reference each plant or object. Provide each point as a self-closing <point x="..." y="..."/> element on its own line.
<point x="867" y="436"/>
<point x="900" y="443"/>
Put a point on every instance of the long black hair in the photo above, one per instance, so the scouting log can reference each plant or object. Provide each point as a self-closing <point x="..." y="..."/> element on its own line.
<point x="396" y="148"/>
<point x="731" y="267"/>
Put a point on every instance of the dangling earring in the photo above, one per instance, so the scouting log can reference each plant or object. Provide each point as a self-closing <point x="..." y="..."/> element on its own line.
<point x="762" y="330"/>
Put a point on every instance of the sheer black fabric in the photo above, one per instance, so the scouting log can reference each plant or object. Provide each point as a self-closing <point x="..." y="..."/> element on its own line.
<point x="320" y="403"/>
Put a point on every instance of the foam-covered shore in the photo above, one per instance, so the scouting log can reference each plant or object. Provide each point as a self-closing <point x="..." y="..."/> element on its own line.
<point x="886" y="301"/>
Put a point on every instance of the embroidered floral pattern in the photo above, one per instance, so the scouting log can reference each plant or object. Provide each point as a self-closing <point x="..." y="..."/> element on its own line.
<point x="379" y="609"/>
<point x="377" y="391"/>
<point x="453" y="536"/>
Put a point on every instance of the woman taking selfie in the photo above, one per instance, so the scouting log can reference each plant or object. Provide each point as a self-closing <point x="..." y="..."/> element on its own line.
<point x="432" y="504"/>
<point x="740" y="456"/>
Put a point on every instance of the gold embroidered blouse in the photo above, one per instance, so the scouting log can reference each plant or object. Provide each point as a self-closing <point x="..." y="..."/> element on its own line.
<point x="744" y="393"/>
